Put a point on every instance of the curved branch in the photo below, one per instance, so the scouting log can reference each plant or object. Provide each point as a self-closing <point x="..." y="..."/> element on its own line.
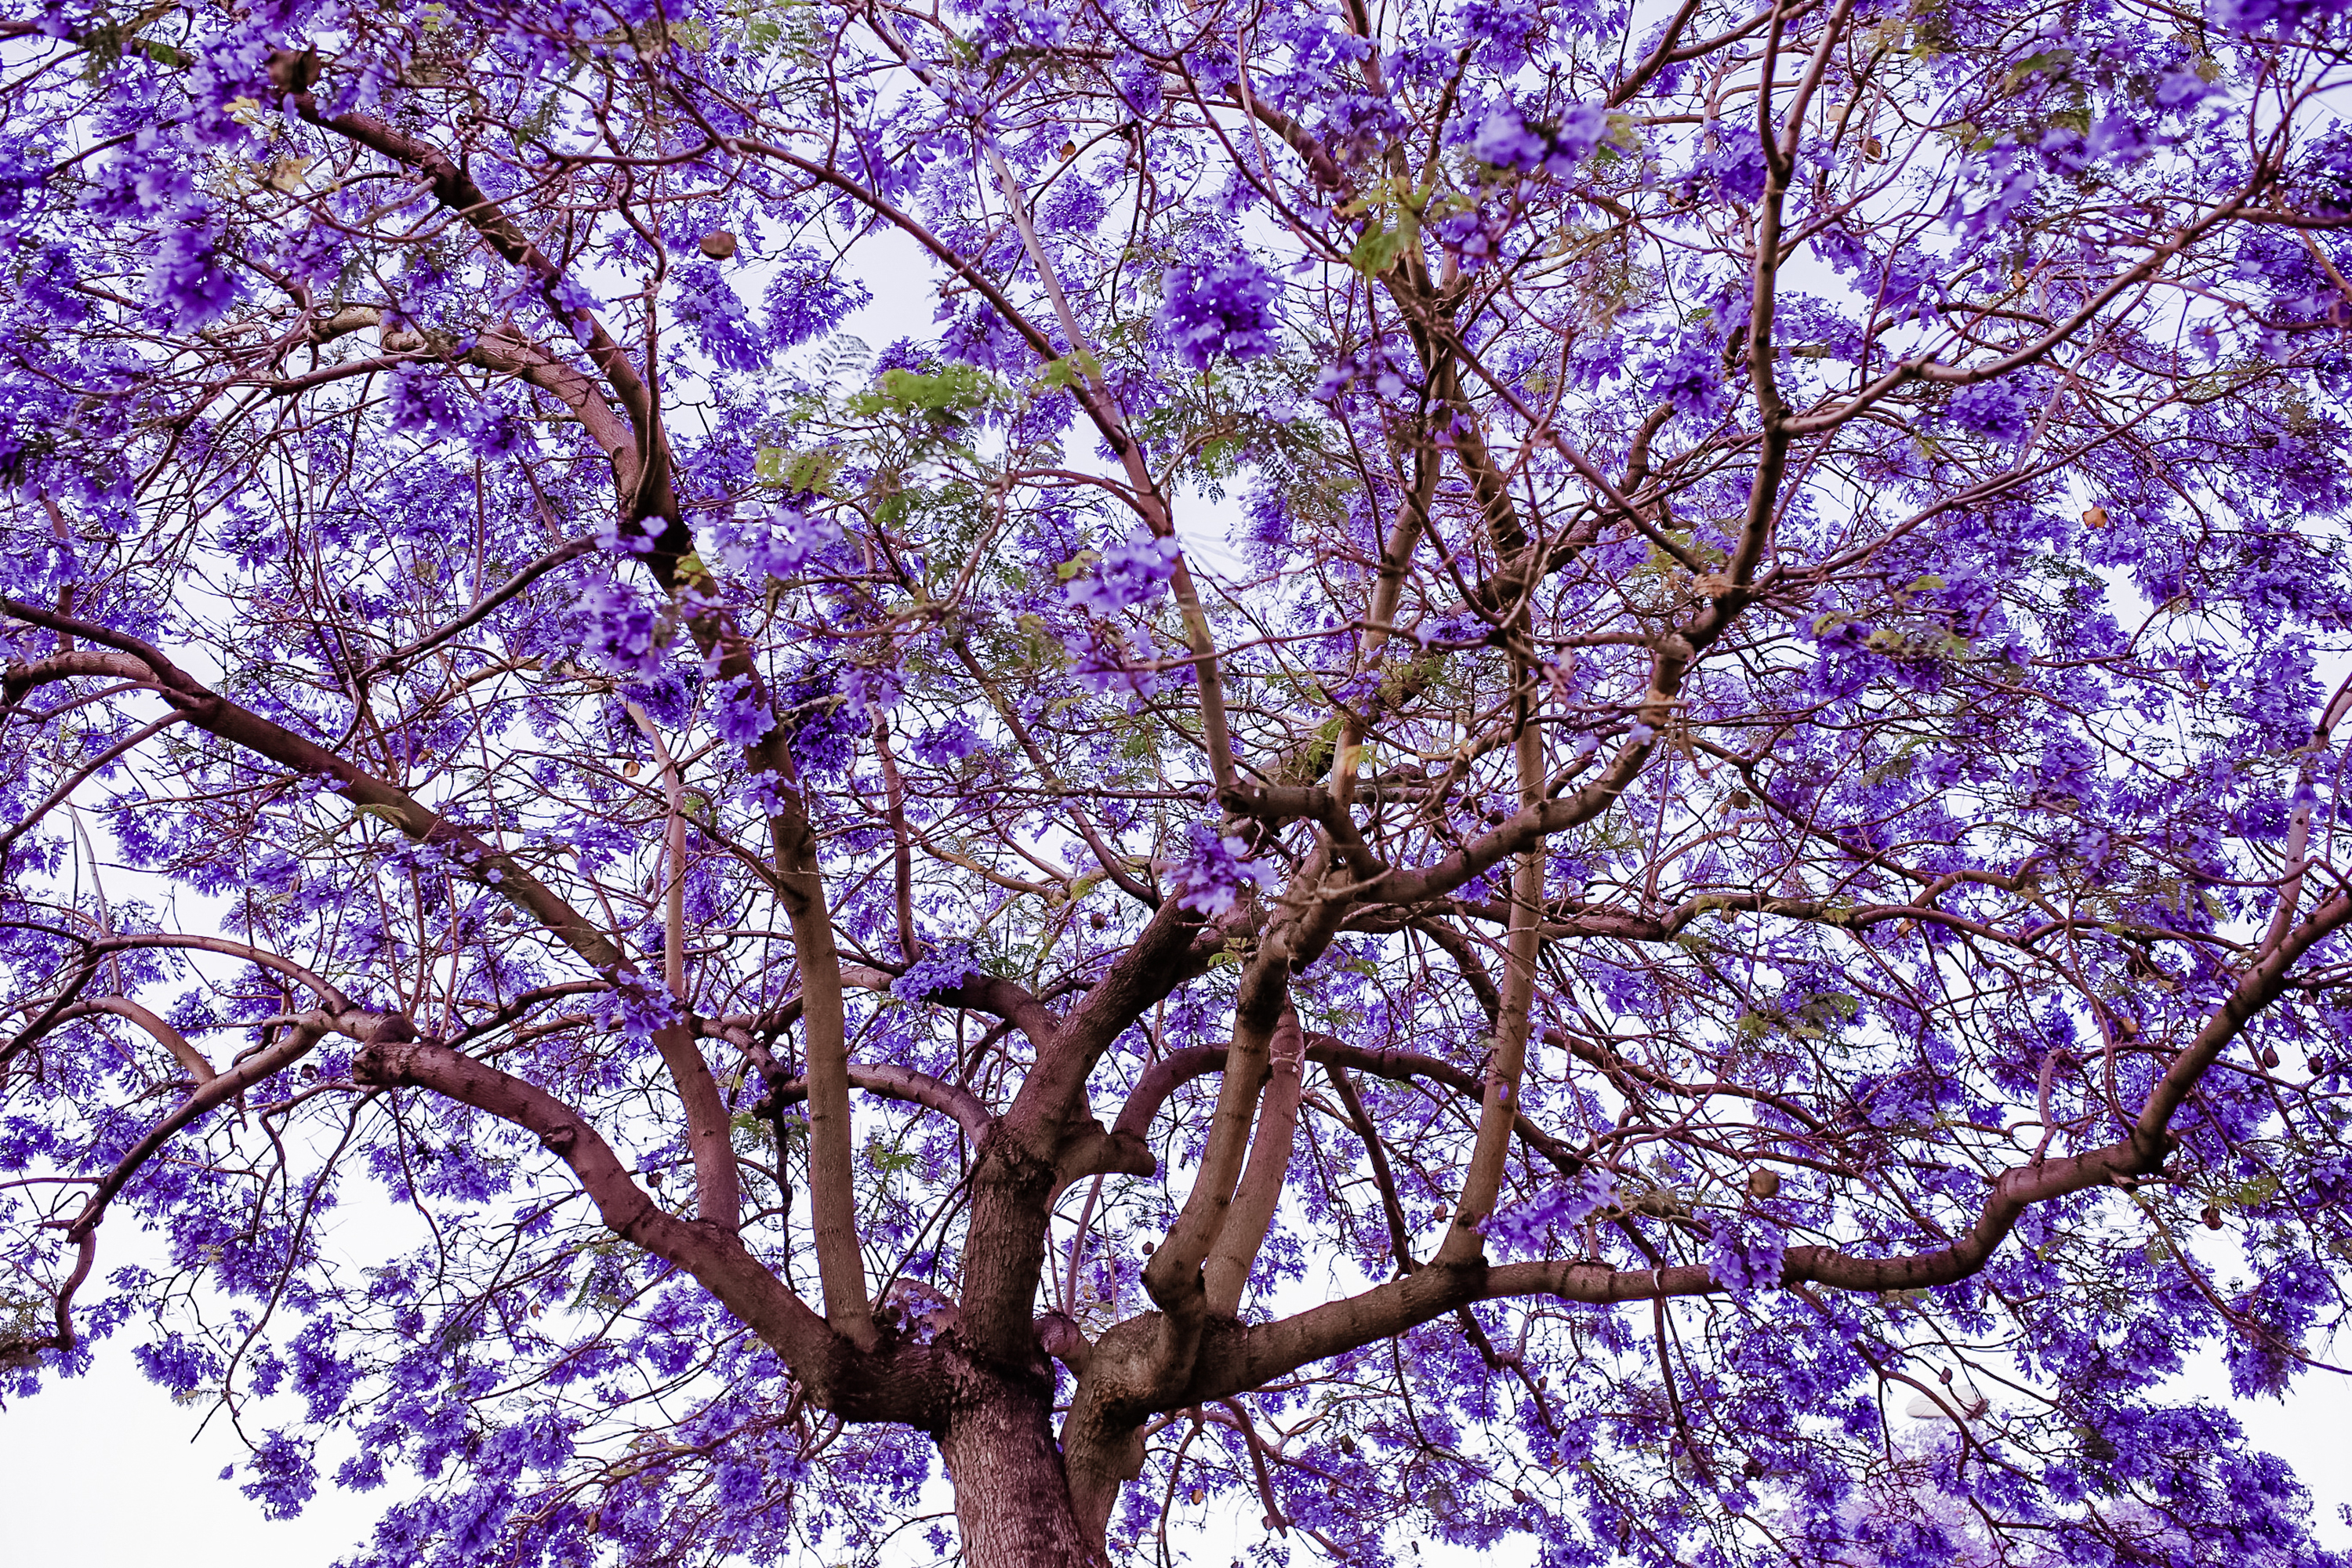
<point x="907" y="1086"/>
<point x="1226" y="1271"/>
<point x="170" y="1039"/>
<point x="903" y="1386"/>
<point x="301" y="1039"/>
<point x="1164" y="1076"/>
<point x="217" y="715"/>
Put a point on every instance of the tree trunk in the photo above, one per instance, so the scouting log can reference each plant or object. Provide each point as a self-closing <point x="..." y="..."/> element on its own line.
<point x="1013" y="1495"/>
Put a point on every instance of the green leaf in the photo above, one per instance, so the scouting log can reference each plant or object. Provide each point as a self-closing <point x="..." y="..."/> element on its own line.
<point x="1069" y="371"/>
<point x="954" y="390"/>
<point x="1379" y="249"/>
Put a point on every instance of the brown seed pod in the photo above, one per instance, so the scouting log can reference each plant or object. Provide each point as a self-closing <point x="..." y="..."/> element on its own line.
<point x="1069" y="150"/>
<point x="2270" y="1056"/>
<point x="629" y="769"/>
<point x="719" y="245"/>
<point x="2211" y="1216"/>
<point x="1762" y="1184"/>
<point x="1753" y="1469"/>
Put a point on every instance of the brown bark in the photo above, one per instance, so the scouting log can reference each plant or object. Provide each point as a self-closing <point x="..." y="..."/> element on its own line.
<point x="1013" y="1495"/>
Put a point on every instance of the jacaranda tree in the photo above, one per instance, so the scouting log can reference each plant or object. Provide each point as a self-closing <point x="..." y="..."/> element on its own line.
<point x="1520" y="765"/>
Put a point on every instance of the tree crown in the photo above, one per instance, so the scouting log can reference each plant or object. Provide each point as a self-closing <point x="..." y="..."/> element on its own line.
<point x="1518" y="761"/>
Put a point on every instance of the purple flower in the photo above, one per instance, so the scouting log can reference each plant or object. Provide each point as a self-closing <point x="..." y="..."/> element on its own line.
<point x="870" y="688"/>
<point x="419" y="399"/>
<point x="950" y="743"/>
<point x="639" y="1007"/>
<point x="2274" y="16"/>
<point x="943" y="968"/>
<point x="741" y="717"/>
<point x="1218" y="308"/>
<point x="619" y="629"/>
<point x="1008" y="24"/>
<point x="1734" y="165"/>
<point x="1131" y="572"/>
<point x="284" y="1478"/>
<point x="725" y="329"/>
<point x="808" y="297"/>
<point x="1101" y="666"/>
<point x="1744" y="1262"/>
<point x="1998" y="410"/>
<point x="763" y="793"/>
<point x="773" y="540"/>
<point x="190" y="282"/>
<point x="1211" y="874"/>
<point x="1507" y="140"/>
<point x="1523" y="1227"/>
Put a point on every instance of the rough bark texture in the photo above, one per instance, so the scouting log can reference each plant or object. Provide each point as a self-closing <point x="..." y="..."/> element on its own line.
<point x="1013" y="1495"/>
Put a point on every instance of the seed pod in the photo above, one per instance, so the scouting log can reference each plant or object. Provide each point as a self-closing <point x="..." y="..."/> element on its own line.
<point x="719" y="245"/>
<point x="1149" y="1247"/>
<point x="2095" y="518"/>
<point x="1518" y="1498"/>
<point x="653" y="1178"/>
<point x="1098" y="920"/>
<point x="1347" y="1445"/>
<point x="1753" y="1469"/>
<point x="2211" y="1216"/>
<point x="1069" y="150"/>
<point x="629" y="769"/>
<point x="1763" y="1184"/>
<point x="2270" y="1056"/>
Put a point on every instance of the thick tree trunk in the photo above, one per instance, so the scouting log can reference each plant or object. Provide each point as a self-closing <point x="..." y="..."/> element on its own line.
<point x="1013" y="1496"/>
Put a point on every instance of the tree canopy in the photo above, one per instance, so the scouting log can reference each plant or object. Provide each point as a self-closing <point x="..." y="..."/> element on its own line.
<point x="1511" y="763"/>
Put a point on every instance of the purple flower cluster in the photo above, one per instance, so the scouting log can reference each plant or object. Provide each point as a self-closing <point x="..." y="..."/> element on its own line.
<point x="943" y="967"/>
<point x="1218" y="308"/>
<point x="725" y="330"/>
<point x="1132" y="572"/>
<point x="949" y="742"/>
<point x="1529" y="1228"/>
<point x="620" y="628"/>
<point x="1744" y="1256"/>
<point x="1211" y="874"/>
<point x="773" y="540"/>
<point x="190" y="282"/>
<point x="740" y="715"/>
<point x="1506" y="140"/>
